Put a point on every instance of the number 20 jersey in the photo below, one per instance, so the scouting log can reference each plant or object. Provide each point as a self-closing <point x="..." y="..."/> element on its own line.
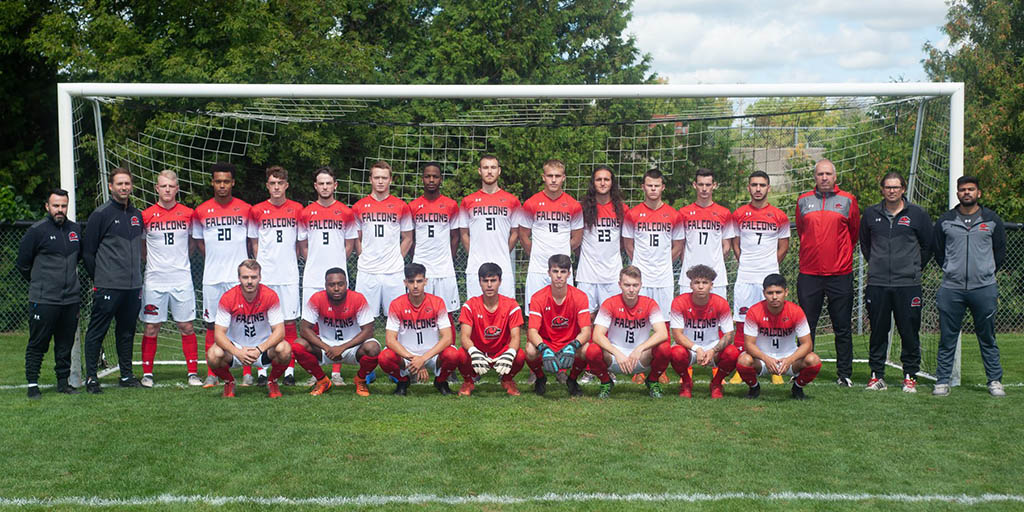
<point x="167" y="264"/>
<point x="223" y="230"/>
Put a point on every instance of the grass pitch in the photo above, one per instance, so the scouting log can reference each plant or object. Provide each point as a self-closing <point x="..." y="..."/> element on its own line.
<point x="179" y="442"/>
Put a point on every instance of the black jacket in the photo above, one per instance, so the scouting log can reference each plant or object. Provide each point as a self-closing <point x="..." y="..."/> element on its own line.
<point x="48" y="257"/>
<point x="897" y="250"/>
<point x="112" y="246"/>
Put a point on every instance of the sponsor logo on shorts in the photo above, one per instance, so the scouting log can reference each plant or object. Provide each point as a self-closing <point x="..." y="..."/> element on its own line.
<point x="150" y="309"/>
<point x="559" y="322"/>
<point x="743" y="310"/>
<point x="904" y="221"/>
<point x="915" y="302"/>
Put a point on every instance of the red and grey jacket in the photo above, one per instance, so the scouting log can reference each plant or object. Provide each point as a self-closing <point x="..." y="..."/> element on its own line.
<point x="828" y="225"/>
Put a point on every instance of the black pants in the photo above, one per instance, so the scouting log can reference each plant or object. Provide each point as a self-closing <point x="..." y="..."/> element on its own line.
<point x="122" y="306"/>
<point x="904" y="305"/>
<point x="811" y="292"/>
<point x="46" y="321"/>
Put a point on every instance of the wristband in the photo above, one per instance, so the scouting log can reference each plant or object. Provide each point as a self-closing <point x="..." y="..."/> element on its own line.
<point x="542" y="346"/>
<point x="576" y="344"/>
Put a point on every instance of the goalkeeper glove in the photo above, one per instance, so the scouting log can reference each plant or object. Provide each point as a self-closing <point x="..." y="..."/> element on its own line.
<point x="550" y="363"/>
<point x="503" y="364"/>
<point x="480" y="361"/>
<point x="568" y="354"/>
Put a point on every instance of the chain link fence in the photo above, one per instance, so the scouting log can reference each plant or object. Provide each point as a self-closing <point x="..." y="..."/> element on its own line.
<point x="1009" y="317"/>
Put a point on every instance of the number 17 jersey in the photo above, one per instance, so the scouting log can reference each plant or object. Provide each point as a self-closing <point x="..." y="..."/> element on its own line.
<point x="223" y="230"/>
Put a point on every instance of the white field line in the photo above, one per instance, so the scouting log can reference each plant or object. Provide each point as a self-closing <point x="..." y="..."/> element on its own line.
<point x="372" y="500"/>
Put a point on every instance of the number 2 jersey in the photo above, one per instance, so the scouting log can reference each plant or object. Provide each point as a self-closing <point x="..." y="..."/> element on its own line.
<point x="381" y="224"/>
<point x="434" y="222"/>
<point x="325" y="229"/>
<point x="167" y="263"/>
<point x="704" y="228"/>
<point x="249" y="323"/>
<point x="628" y="327"/>
<point x="338" y="323"/>
<point x="701" y="324"/>
<point x="760" y="230"/>
<point x="601" y="249"/>
<point x="277" y="229"/>
<point x="223" y="230"/>
<point x="419" y="327"/>
<point x="776" y="334"/>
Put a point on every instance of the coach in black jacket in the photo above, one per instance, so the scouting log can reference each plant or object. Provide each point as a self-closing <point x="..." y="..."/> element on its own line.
<point x="112" y="253"/>
<point x="48" y="257"/>
<point x="896" y="241"/>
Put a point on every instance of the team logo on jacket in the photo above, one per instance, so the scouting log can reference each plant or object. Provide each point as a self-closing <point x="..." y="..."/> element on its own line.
<point x="72" y="236"/>
<point x="983" y="227"/>
<point x="559" y="322"/>
<point x="904" y="221"/>
<point x="492" y="332"/>
<point x="150" y="309"/>
<point x="135" y="221"/>
<point x="915" y="302"/>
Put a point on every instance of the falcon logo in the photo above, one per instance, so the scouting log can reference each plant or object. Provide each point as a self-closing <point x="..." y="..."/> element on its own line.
<point x="428" y="310"/>
<point x="838" y="205"/>
<point x="785" y="319"/>
<point x="135" y="221"/>
<point x="904" y="221"/>
<point x="743" y="310"/>
<point x="915" y="302"/>
<point x="150" y="309"/>
<point x="492" y="332"/>
<point x="983" y="227"/>
<point x="559" y="322"/>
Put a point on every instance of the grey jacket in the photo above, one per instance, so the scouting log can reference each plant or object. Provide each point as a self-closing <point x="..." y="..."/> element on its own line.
<point x="112" y="246"/>
<point x="969" y="255"/>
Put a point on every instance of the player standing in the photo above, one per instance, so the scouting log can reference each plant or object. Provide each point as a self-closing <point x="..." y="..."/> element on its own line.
<point x="490" y="334"/>
<point x="273" y="239"/>
<point x="601" y="249"/>
<point x="551" y="223"/>
<point x="778" y="341"/>
<point x="652" y="236"/>
<point x="436" y="221"/>
<point x="558" y="328"/>
<point x="385" y="236"/>
<point x="220" y="226"/>
<point x="345" y="332"/>
<point x="708" y="230"/>
<point x="489" y="222"/>
<point x="167" y="286"/>
<point x="249" y="331"/>
<point x="419" y="336"/>
<point x="697" y="319"/>
<point x="630" y="336"/>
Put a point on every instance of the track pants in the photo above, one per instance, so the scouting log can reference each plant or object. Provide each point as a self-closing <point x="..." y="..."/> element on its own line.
<point x="904" y="305"/>
<point x="811" y="292"/>
<point x="46" y="321"/>
<point x="953" y="304"/>
<point x="121" y="306"/>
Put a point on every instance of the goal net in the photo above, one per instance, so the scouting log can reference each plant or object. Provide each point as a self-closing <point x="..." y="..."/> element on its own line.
<point x="733" y="130"/>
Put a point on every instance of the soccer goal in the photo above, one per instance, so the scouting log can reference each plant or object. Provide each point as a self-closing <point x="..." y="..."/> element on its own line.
<point x="866" y="129"/>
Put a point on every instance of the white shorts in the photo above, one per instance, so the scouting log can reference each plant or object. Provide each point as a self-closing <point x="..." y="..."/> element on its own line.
<point x="639" y="368"/>
<point x="662" y="296"/>
<point x="745" y="295"/>
<point x="308" y="292"/>
<point x="348" y="356"/>
<point x="430" y="365"/>
<point x="380" y="289"/>
<point x="288" y="294"/>
<point x="693" y="355"/>
<point x="597" y="293"/>
<point x="764" y="368"/>
<point x="181" y="302"/>
<point x="448" y="289"/>
<point x="507" y="288"/>
<point x="536" y="281"/>
<point x="211" y="297"/>
<point x="260" y="363"/>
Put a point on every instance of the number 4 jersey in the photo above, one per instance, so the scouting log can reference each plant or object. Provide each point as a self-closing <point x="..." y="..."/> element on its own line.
<point x="776" y="334"/>
<point x="223" y="229"/>
<point x="167" y="264"/>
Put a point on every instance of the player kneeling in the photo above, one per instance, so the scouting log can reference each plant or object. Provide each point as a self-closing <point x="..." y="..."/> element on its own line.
<point x="558" y="329"/>
<point x="697" y="318"/>
<point x="621" y="323"/>
<point x="249" y="330"/>
<point x="345" y="324"/>
<point x="490" y="334"/>
<point x="778" y="341"/>
<point x="418" y="336"/>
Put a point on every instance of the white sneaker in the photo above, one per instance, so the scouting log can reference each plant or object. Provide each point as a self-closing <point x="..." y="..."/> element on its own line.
<point x="586" y="378"/>
<point x="941" y="390"/>
<point x="909" y="385"/>
<point x="147" y="381"/>
<point x="844" y="382"/>
<point x="311" y="381"/>
<point x="247" y="380"/>
<point x="337" y="379"/>
<point x="194" y="380"/>
<point x="876" y="384"/>
<point x="531" y="379"/>
<point x="995" y="388"/>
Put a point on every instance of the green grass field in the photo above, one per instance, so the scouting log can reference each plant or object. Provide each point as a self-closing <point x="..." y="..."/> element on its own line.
<point x="174" y="441"/>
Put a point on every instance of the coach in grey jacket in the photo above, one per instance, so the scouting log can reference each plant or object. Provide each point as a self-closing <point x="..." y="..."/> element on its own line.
<point x="48" y="257"/>
<point x="112" y="253"/>
<point x="970" y="246"/>
<point x="896" y="241"/>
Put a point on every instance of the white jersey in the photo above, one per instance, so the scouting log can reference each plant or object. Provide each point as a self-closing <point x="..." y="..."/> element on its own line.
<point x="276" y="228"/>
<point x="223" y="230"/>
<point x="551" y="222"/>
<point x="705" y="228"/>
<point x="381" y="224"/>
<point x="629" y="327"/>
<point x="325" y="229"/>
<point x="601" y="251"/>
<point x="776" y="335"/>
<point x="418" y="328"/>
<point x="167" y="264"/>
<point x="653" y="232"/>
<point x="434" y="222"/>
<point x="338" y="323"/>
<point x="760" y="231"/>
<point x="701" y="324"/>
<point x="490" y="219"/>
<point x="249" y="323"/>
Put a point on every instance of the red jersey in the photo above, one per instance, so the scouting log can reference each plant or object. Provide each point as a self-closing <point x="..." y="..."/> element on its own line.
<point x="167" y="263"/>
<point x="491" y="331"/>
<point x="557" y="323"/>
<point x="628" y="327"/>
<point x="223" y="229"/>
<point x="381" y="224"/>
<point x="434" y="222"/>
<point x="249" y="323"/>
<point x="277" y="229"/>
<point x="776" y="334"/>
<point x="418" y="328"/>
<point x="325" y="229"/>
<point x="551" y="222"/>
<point x="701" y="324"/>
<point x="828" y="225"/>
<point x="653" y="232"/>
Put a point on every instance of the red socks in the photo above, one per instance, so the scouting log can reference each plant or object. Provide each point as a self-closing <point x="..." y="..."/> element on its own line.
<point x="578" y="365"/>
<point x="748" y="374"/>
<point x="148" y="354"/>
<point x="190" y="348"/>
<point x="536" y="366"/>
<point x="388" y="361"/>
<point x="807" y="375"/>
<point x="224" y="374"/>
<point x="680" y="358"/>
<point x="726" y="364"/>
<point x="595" y="358"/>
<point x="660" y="360"/>
<point x="366" y="365"/>
<point x="307" y="360"/>
<point x="276" y="370"/>
<point x="208" y="341"/>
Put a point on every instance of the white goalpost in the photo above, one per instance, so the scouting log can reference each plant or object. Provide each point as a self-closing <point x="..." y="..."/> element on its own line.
<point x="848" y="122"/>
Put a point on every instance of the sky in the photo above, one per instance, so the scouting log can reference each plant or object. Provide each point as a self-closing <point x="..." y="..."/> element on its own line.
<point x="780" y="41"/>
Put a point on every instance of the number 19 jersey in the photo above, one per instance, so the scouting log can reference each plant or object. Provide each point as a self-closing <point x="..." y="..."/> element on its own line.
<point x="167" y="264"/>
<point x="223" y="230"/>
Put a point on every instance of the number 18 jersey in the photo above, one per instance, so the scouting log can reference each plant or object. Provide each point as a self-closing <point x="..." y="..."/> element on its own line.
<point x="167" y="264"/>
<point x="223" y="229"/>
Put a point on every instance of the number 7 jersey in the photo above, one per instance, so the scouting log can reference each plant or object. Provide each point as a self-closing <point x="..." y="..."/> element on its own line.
<point x="223" y="229"/>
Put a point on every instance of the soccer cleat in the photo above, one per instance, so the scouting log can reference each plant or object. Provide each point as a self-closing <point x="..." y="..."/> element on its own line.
<point x="289" y="380"/>
<point x="467" y="387"/>
<point x="211" y="381"/>
<point x="654" y="389"/>
<point x="361" y="388"/>
<point x="586" y="378"/>
<point x="685" y="387"/>
<point x="605" y="390"/>
<point x="941" y="390"/>
<point x="34" y="393"/>
<point x="310" y="382"/>
<point x="64" y="387"/>
<point x="844" y="382"/>
<point x="402" y="388"/>
<point x="273" y="391"/>
<point x="995" y="388"/>
<point x="573" y="387"/>
<point x="147" y="381"/>
<point x="777" y="379"/>
<point x="562" y="376"/>
<point x="442" y="387"/>
<point x="736" y="379"/>
<point x="194" y="380"/>
<point x="639" y="378"/>
<point x="798" y="392"/>
<point x="229" y="389"/>
<point x="372" y="376"/>
<point x="754" y="392"/>
<point x="909" y="385"/>
<point x="260" y="380"/>
<point x="716" y="391"/>
<point x="321" y="386"/>
<point x="93" y="386"/>
<point x="540" y="386"/>
<point x="247" y="380"/>
<point x="130" y="382"/>
<point x="876" y="384"/>
<point x="510" y="387"/>
<point x="337" y="379"/>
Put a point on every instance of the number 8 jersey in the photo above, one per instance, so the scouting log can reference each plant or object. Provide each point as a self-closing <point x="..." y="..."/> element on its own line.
<point x="223" y="229"/>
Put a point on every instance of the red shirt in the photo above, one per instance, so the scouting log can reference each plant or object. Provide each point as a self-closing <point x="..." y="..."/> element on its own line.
<point x="828" y="225"/>
<point x="491" y="331"/>
<point x="557" y="323"/>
